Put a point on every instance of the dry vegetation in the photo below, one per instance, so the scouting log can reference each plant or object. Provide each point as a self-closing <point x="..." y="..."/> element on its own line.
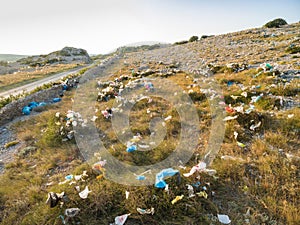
<point x="256" y="184"/>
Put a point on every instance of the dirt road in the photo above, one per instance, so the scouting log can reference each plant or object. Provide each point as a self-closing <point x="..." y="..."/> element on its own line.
<point x="33" y="85"/>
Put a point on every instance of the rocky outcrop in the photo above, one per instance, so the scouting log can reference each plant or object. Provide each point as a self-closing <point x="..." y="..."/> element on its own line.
<point x="65" y="56"/>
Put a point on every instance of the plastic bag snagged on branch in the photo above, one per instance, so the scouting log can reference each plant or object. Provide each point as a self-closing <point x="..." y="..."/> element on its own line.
<point x="159" y="180"/>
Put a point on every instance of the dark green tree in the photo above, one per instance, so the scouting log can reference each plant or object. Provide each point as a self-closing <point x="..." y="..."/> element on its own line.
<point x="276" y="23"/>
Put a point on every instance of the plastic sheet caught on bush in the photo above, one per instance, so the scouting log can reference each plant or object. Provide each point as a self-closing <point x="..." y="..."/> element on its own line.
<point x="159" y="181"/>
<point x="120" y="220"/>
<point x="199" y="167"/>
<point x="84" y="194"/>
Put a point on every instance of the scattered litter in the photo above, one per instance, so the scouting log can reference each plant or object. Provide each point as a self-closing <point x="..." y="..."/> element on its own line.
<point x="256" y="98"/>
<point x="290" y="116"/>
<point x="230" y="83"/>
<point x="202" y="194"/>
<point x="81" y="176"/>
<point x="251" y="108"/>
<point x="62" y="219"/>
<point x="94" y="118"/>
<point x="120" y="220"/>
<point x="143" y="146"/>
<point x="234" y="97"/>
<point x="127" y="194"/>
<point x="131" y="148"/>
<point x="71" y="212"/>
<point x="77" y="188"/>
<point x="69" y="177"/>
<point x="254" y="126"/>
<point x="197" y="184"/>
<point x="107" y="113"/>
<point x="235" y="134"/>
<point x="177" y="198"/>
<point x="168" y="118"/>
<point x="227" y="118"/>
<point x="98" y="167"/>
<point x="26" y="110"/>
<point x="229" y="109"/>
<point x="159" y="181"/>
<point x="149" y="86"/>
<point x="141" y="176"/>
<point x="145" y="211"/>
<point x="56" y="100"/>
<point x="240" y="144"/>
<point x="54" y="198"/>
<point x="190" y="190"/>
<point x="200" y="167"/>
<point x="224" y="219"/>
<point x="84" y="194"/>
<point x="167" y="189"/>
<point x="244" y="94"/>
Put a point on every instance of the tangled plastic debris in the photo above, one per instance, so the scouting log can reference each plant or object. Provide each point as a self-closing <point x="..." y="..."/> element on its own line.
<point x="145" y="211"/>
<point x="71" y="212"/>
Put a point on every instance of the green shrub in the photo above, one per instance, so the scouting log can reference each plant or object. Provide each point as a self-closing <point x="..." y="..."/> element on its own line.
<point x="193" y="38"/>
<point x="276" y="23"/>
<point x="51" y="136"/>
<point x="180" y="42"/>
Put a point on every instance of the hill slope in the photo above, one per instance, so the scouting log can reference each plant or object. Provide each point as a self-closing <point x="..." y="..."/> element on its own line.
<point x="243" y="89"/>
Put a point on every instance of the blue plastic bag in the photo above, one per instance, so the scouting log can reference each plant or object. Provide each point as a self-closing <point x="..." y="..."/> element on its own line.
<point x="56" y="99"/>
<point x="33" y="105"/>
<point x="141" y="177"/>
<point x="131" y="148"/>
<point x="42" y="104"/>
<point x="159" y="179"/>
<point x="26" y="110"/>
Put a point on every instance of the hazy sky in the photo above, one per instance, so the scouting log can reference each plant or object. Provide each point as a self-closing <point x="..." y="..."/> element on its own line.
<point x="39" y="27"/>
